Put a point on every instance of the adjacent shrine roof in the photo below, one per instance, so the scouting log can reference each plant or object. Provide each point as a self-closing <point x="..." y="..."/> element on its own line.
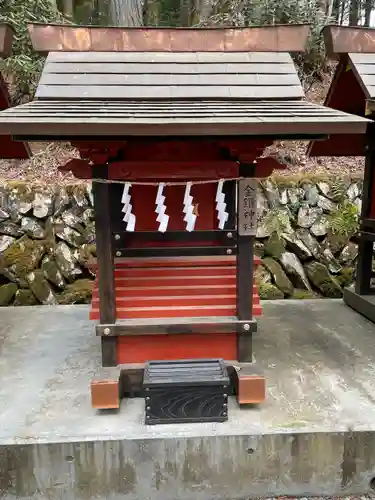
<point x="353" y="86"/>
<point x="116" y="85"/>
<point x="9" y="149"/>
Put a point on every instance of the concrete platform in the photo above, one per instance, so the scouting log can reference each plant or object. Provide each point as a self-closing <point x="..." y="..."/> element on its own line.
<point x="313" y="436"/>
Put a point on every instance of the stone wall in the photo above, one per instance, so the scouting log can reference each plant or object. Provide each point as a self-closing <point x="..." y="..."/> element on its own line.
<point x="305" y="238"/>
<point x="47" y="241"/>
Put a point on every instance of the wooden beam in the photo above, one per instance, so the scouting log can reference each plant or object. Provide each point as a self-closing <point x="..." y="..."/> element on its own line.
<point x="157" y="171"/>
<point x="6" y="40"/>
<point x="344" y="39"/>
<point x="175" y="326"/>
<point x="67" y="38"/>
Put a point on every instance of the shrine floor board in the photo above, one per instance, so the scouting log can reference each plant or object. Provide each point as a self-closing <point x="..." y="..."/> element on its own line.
<point x="317" y="421"/>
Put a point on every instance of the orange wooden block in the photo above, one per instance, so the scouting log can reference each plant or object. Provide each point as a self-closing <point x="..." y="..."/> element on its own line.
<point x="105" y="394"/>
<point x="250" y="385"/>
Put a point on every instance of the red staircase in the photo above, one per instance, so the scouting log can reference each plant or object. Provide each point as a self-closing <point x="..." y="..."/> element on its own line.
<point x="172" y="288"/>
<point x="175" y="288"/>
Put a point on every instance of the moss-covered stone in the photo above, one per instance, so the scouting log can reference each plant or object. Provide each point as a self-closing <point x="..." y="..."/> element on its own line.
<point x="74" y="218"/>
<point x="294" y="270"/>
<point x="20" y="197"/>
<point x="310" y="242"/>
<point x="71" y="236"/>
<point x="349" y="253"/>
<point x="7" y="293"/>
<point x="261" y="275"/>
<point x="41" y="288"/>
<point x="87" y="216"/>
<point x="92" y="249"/>
<point x="345" y="277"/>
<point x="335" y="242"/>
<point x="275" y="246"/>
<point x="50" y="239"/>
<point x="10" y="229"/>
<point x="62" y="200"/>
<point x="67" y="261"/>
<point x="85" y="256"/>
<point x="330" y="261"/>
<point x="23" y="256"/>
<point x="88" y="234"/>
<point x="5" y="242"/>
<point x="320" y="277"/>
<point x="297" y="246"/>
<point x="267" y="291"/>
<point x="79" y="292"/>
<point x="300" y="294"/>
<point x="258" y="249"/>
<point x="43" y="202"/>
<point x="78" y="192"/>
<point x="33" y="228"/>
<point x="52" y="272"/>
<point x="25" y="297"/>
<point x="280" y="278"/>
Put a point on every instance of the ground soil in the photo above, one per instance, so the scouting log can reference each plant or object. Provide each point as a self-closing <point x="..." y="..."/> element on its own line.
<point x="48" y="157"/>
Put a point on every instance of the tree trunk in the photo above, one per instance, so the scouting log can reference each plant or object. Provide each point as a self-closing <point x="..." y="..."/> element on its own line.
<point x="336" y="11"/>
<point x="323" y="6"/>
<point x="354" y="13"/>
<point x="342" y="9"/>
<point x="203" y="9"/>
<point x="329" y="10"/>
<point x="68" y="8"/>
<point x="126" y="12"/>
<point x="151" y="12"/>
<point x="369" y="4"/>
<point x="188" y="11"/>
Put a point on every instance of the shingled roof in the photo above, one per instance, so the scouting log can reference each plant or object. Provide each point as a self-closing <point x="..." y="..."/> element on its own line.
<point x="222" y="91"/>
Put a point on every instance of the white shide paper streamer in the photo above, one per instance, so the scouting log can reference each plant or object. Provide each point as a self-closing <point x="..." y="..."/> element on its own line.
<point x="160" y="209"/>
<point x="189" y="216"/>
<point x="221" y="206"/>
<point x="129" y="217"/>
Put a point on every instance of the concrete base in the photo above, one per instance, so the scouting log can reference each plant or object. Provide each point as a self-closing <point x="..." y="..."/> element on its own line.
<point x="314" y="435"/>
<point x="363" y="304"/>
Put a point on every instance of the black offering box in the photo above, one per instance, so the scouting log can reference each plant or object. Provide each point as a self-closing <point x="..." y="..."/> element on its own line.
<point x="186" y="391"/>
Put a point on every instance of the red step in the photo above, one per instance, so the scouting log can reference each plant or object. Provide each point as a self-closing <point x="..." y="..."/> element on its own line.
<point x="177" y="311"/>
<point x="177" y="287"/>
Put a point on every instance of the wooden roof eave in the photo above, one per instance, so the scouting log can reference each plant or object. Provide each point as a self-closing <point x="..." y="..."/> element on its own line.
<point x="282" y="129"/>
<point x="65" y="120"/>
<point x="272" y="38"/>
<point x="341" y="40"/>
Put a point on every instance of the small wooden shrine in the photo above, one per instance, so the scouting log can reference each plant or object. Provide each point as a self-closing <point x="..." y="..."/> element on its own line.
<point x="172" y="127"/>
<point x="9" y="149"/>
<point x="353" y="91"/>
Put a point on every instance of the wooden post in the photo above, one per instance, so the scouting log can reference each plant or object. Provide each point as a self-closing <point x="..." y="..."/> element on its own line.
<point x="365" y="246"/>
<point x="246" y="230"/>
<point x="230" y="191"/>
<point x="105" y="260"/>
